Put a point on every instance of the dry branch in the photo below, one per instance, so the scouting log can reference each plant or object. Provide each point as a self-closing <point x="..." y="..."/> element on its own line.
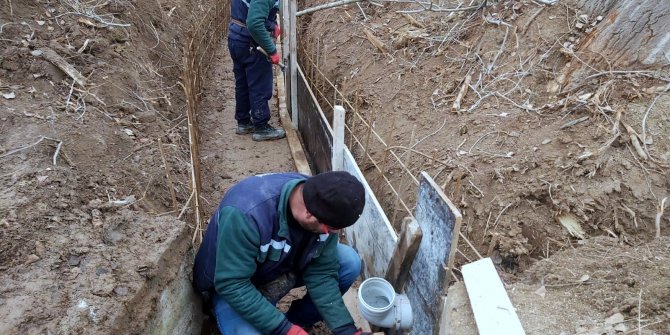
<point x="168" y="176"/>
<point x="11" y="152"/>
<point x="57" y="60"/>
<point x="413" y="21"/>
<point x="456" y="106"/>
<point x="634" y="139"/>
<point x="375" y="41"/>
<point x="532" y="18"/>
<point x="659" y="213"/>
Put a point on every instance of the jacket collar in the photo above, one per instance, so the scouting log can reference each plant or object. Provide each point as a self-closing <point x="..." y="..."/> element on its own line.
<point x="284" y="208"/>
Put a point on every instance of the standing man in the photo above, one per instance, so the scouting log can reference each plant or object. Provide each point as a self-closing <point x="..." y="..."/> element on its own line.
<point x="254" y="24"/>
<point x="274" y="232"/>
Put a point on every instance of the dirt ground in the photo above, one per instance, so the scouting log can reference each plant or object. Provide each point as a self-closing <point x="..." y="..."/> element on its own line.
<point x="87" y="207"/>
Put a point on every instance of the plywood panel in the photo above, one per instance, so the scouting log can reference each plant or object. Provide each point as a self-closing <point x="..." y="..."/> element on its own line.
<point x="372" y="235"/>
<point x="440" y="222"/>
<point x="490" y="304"/>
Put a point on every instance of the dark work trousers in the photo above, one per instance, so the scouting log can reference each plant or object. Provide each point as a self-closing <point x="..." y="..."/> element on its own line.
<point x="253" y="83"/>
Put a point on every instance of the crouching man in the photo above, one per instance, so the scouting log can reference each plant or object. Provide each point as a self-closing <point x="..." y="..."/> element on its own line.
<point x="274" y="232"/>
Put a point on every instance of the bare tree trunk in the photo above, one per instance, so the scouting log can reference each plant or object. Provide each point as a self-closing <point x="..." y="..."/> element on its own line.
<point x="633" y="33"/>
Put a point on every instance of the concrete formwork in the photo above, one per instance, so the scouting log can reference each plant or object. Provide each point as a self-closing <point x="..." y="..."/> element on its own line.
<point x="373" y="235"/>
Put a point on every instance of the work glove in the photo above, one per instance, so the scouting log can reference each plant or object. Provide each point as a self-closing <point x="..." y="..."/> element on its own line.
<point x="274" y="58"/>
<point x="277" y="31"/>
<point x="296" y="330"/>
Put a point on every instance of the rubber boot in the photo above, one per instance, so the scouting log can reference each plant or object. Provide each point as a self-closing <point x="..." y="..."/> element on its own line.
<point x="244" y="128"/>
<point x="268" y="133"/>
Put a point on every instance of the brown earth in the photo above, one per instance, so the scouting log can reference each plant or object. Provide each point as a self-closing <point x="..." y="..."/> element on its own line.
<point x="86" y="209"/>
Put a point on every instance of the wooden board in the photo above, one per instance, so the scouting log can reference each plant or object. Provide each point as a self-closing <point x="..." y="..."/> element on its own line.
<point x="404" y="253"/>
<point x="314" y="129"/>
<point x="372" y="235"/>
<point x="440" y="223"/>
<point x="490" y="304"/>
<point x="299" y="158"/>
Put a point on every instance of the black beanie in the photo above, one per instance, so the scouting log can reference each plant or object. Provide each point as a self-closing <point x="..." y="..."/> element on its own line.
<point x="335" y="198"/>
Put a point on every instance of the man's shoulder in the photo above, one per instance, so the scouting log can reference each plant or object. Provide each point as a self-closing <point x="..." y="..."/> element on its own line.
<point x="259" y="188"/>
<point x="270" y="180"/>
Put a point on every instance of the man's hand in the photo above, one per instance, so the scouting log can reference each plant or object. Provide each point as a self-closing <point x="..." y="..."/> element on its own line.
<point x="274" y="58"/>
<point x="296" y="330"/>
<point x="277" y="31"/>
<point x="360" y="332"/>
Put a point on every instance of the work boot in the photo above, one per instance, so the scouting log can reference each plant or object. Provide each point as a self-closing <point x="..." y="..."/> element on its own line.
<point x="244" y="128"/>
<point x="267" y="133"/>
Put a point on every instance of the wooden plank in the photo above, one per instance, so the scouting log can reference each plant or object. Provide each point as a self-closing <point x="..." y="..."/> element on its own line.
<point x="440" y="223"/>
<point x="351" y="301"/>
<point x="293" y="62"/>
<point x="315" y="131"/>
<point x="491" y="306"/>
<point x="299" y="157"/>
<point x="403" y="256"/>
<point x="338" y="138"/>
<point x="372" y="236"/>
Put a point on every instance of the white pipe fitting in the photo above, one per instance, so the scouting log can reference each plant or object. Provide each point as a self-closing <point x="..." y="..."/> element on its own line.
<point x="382" y="307"/>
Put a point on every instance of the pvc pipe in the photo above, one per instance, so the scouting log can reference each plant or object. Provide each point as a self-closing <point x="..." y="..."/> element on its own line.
<point x="382" y="307"/>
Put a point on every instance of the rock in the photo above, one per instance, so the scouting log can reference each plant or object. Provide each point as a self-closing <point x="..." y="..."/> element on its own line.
<point x="121" y="290"/>
<point x="32" y="258"/>
<point x="74" y="260"/>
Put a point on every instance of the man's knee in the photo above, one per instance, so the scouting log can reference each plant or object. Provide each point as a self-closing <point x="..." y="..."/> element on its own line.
<point x="350" y="263"/>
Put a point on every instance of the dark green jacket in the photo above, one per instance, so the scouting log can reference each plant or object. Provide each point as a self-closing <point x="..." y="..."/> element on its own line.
<point x="259" y="18"/>
<point x="248" y="243"/>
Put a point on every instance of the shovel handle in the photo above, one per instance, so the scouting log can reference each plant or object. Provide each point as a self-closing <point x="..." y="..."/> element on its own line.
<point x="280" y="64"/>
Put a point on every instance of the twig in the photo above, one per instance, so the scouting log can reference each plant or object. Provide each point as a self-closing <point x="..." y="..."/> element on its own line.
<point x="6" y="24"/>
<point x="375" y="41"/>
<point x="635" y="141"/>
<point x="57" y="60"/>
<point x="29" y="146"/>
<point x="502" y="47"/>
<point x="470" y="244"/>
<point x="495" y="20"/>
<point x="644" y="123"/>
<point x="573" y="122"/>
<point x="550" y="185"/>
<point x="532" y="18"/>
<point x="659" y="213"/>
<point x="434" y="8"/>
<point x="431" y="134"/>
<point x="456" y="106"/>
<point x="527" y="108"/>
<point x="186" y="206"/>
<point x="464" y="256"/>
<point x="168" y="176"/>
<point x="486" y="227"/>
<point x="631" y="212"/>
<point x="365" y="17"/>
<point x="324" y="6"/>
<point x="481" y="194"/>
<point x="89" y="12"/>
<point x="495" y="223"/>
<point x="482" y="137"/>
<point x="60" y="144"/>
<point x="639" y="313"/>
